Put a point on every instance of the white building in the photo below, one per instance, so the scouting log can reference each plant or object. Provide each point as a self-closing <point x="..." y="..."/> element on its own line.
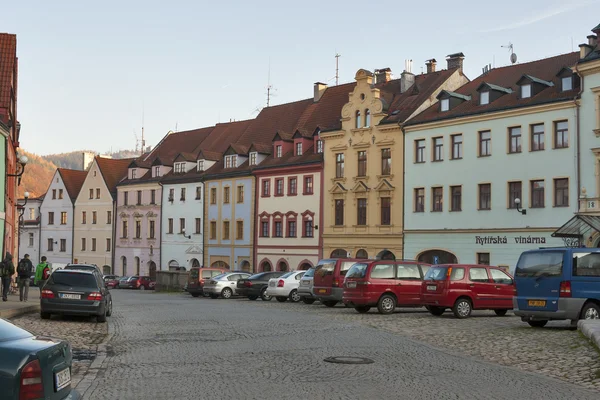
<point x="507" y="135"/>
<point x="29" y="229"/>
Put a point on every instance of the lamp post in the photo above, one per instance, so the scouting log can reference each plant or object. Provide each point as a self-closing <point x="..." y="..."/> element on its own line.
<point x="21" y="219"/>
<point x="519" y="209"/>
<point x="184" y="235"/>
<point x="21" y="163"/>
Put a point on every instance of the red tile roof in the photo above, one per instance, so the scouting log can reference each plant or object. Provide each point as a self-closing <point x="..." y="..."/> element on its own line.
<point x="73" y="180"/>
<point x="326" y="113"/>
<point x="8" y="60"/>
<point x="223" y="135"/>
<point x="176" y="142"/>
<point x="113" y="171"/>
<point x="507" y="77"/>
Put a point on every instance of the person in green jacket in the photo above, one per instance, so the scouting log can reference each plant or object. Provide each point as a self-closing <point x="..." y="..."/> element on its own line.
<point x="42" y="273"/>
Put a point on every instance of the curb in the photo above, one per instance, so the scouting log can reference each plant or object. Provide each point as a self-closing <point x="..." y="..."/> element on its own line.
<point x="85" y="385"/>
<point x="15" y="312"/>
<point x="590" y="329"/>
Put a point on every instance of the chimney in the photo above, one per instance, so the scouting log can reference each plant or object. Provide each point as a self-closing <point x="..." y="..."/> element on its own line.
<point x="584" y="50"/>
<point x="455" y="61"/>
<point x="319" y="90"/>
<point x="430" y="65"/>
<point x="383" y="75"/>
<point x="407" y="79"/>
<point x="592" y="40"/>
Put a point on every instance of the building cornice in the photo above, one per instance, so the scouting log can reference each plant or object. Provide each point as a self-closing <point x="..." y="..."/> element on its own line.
<point x="588" y="68"/>
<point x="478" y="230"/>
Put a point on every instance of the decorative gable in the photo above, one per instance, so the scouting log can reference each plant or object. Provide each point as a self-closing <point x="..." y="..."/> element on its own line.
<point x="568" y="79"/>
<point x="489" y="92"/>
<point x="338" y="188"/>
<point x="448" y="100"/>
<point x="530" y="85"/>
<point x="360" y="187"/>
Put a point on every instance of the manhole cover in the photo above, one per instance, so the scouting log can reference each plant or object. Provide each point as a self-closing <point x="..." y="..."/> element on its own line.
<point x="349" y="360"/>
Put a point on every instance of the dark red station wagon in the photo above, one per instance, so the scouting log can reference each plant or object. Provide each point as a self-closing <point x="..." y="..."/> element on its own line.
<point x="464" y="288"/>
<point x="328" y="281"/>
<point x="385" y="284"/>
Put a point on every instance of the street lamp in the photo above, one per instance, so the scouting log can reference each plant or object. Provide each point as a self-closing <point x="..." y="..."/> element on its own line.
<point x="184" y="235"/>
<point x="517" y="203"/>
<point x="21" y="162"/>
<point x="22" y="211"/>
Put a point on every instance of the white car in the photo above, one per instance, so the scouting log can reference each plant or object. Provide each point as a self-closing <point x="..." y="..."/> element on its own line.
<point x="286" y="286"/>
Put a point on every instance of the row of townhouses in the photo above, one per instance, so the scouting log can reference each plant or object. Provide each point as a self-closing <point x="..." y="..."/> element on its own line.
<point x="433" y="167"/>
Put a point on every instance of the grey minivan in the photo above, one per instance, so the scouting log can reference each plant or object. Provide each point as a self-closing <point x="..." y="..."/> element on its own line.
<point x="306" y="285"/>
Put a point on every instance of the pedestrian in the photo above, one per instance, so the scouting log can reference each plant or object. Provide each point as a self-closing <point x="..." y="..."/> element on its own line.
<point x="7" y="270"/>
<point x="42" y="273"/>
<point x="24" y="271"/>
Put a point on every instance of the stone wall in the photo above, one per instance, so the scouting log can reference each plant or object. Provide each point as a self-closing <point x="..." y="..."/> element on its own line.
<point x="170" y="280"/>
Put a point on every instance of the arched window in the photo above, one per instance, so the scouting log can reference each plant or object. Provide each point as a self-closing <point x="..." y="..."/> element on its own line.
<point x="367" y="118"/>
<point x="339" y="253"/>
<point x="266" y="266"/>
<point x="283" y="267"/>
<point x="358" y="121"/>
<point x="362" y="253"/>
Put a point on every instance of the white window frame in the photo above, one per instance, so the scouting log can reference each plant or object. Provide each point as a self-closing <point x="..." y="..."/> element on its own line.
<point x="484" y="98"/>
<point x="299" y="148"/>
<point x="279" y="151"/>
<point x="253" y="158"/>
<point x="319" y="146"/>
<point x="568" y="79"/>
<point x="445" y="105"/>
<point x="156" y="171"/>
<point x="200" y="165"/>
<point x="526" y="91"/>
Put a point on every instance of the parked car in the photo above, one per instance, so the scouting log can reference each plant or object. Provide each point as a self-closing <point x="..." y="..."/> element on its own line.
<point x="34" y="367"/>
<point x="83" y="267"/>
<point x="224" y="285"/>
<point x="328" y="280"/>
<point x="464" y="288"/>
<point x="76" y="292"/>
<point x="139" y="282"/>
<point x="385" y="284"/>
<point x="285" y="287"/>
<point x="123" y="282"/>
<point x="112" y="281"/>
<point x="198" y="276"/>
<point x="255" y="286"/>
<point x="306" y="286"/>
<point x="557" y="284"/>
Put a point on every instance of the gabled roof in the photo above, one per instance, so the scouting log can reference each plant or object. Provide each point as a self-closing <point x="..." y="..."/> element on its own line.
<point x="185" y="156"/>
<point x="222" y="136"/>
<point x="238" y="149"/>
<point x="261" y="148"/>
<point x="326" y="113"/>
<point x="491" y="86"/>
<point x="173" y="143"/>
<point x="8" y="60"/>
<point x="73" y="181"/>
<point x="533" y="79"/>
<point x="209" y="155"/>
<point x="283" y="136"/>
<point x="113" y="170"/>
<point x="448" y="93"/>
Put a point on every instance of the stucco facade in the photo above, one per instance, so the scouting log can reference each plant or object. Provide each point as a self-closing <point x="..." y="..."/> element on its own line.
<point x="29" y="230"/>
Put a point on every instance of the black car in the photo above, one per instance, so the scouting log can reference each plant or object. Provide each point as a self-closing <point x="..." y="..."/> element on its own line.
<point x="83" y="267"/>
<point x="255" y="286"/>
<point x="76" y="292"/>
<point x="34" y="367"/>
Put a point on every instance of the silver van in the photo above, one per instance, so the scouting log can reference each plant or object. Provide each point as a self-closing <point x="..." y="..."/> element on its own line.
<point x="306" y="285"/>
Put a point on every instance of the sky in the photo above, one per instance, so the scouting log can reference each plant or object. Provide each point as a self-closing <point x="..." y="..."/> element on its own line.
<point x="92" y="73"/>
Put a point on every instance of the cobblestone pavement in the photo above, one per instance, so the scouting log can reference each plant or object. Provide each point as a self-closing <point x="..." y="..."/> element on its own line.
<point x="165" y="346"/>
<point x="84" y="334"/>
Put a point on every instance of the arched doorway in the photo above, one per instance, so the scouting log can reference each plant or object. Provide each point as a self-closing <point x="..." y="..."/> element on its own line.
<point x="195" y="263"/>
<point x="106" y="269"/>
<point x="220" y="264"/>
<point x="124" y="265"/>
<point x="385" y="254"/>
<point x="137" y="265"/>
<point x="266" y="266"/>
<point x="304" y="266"/>
<point x="437" y="257"/>
<point x="173" y="265"/>
<point x="152" y="270"/>
<point x="282" y="266"/>
<point x="362" y="253"/>
<point x="245" y="266"/>
<point x="339" y="253"/>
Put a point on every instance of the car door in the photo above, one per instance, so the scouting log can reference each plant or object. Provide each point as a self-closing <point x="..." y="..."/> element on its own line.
<point x="231" y="282"/>
<point x="382" y="279"/>
<point x="505" y="289"/>
<point x="408" y="284"/>
<point x="482" y="289"/>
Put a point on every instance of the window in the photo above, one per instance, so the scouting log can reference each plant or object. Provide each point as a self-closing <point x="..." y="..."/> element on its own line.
<point x="278" y="151"/>
<point x="514" y="135"/>
<point x="198" y="225"/>
<point x="50" y="244"/>
<point x="386" y="162"/>
<point x="278" y="227"/>
<point x="31" y="213"/>
<point x="180" y="167"/>
<point x="234" y="161"/>
<point x="308" y="185"/>
<point x="133" y="173"/>
<point x="361" y="212"/>
<point x="279" y="187"/>
<point x="308" y="228"/>
<point x="437" y="194"/>
<point x="94" y="217"/>
<point x="420" y="200"/>
<point x="152" y="229"/>
<point x="362" y="163"/>
<point x="226" y="195"/>
<point x="108" y="244"/>
<point x="91" y="193"/>
<point x="170" y="225"/>
<point x="225" y="230"/>
<point x="171" y="194"/>
<point x="445" y="105"/>
<point x="240" y="194"/>
<point x="339" y="165"/>
<point x="181" y="225"/>
<point x="51" y="218"/>
<point x="299" y="149"/>
<point x="478" y="274"/>
<point x="253" y="158"/>
<point x="561" y="192"/>
<point x="182" y="196"/>
<point x="156" y="172"/>
<point x="83" y="244"/>
<point x="367" y="118"/>
<point x="484" y="98"/>
<point x="213" y="196"/>
<point x="485" y="143"/>
<point x="420" y="151"/>
<point x="239" y="230"/>
<point x="138" y="229"/>
<point x="152" y="196"/>
<point x="537" y="137"/>
<point x="499" y="276"/>
<point x="386" y="209"/>
<point x="63" y="218"/>
<point x="53" y="194"/>
<point x="139" y="198"/>
<point x="83" y="217"/>
<point x="319" y="146"/>
<point x="514" y="192"/>
<point x="291" y="228"/>
<point x="438" y="149"/>
<point x="561" y="134"/>
<point x="125" y="229"/>
<point x="98" y="193"/>
<point x="266" y="187"/>
<point x="358" y="119"/>
<point x="198" y="192"/>
<point x="94" y="243"/>
<point x="200" y="165"/>
<point x="455" y="198"/>
<point x="63" y="245"/>
<point x="109" y="217"/>
<point x="339" y="212"/>
<point x="537" y="194"/>
<point x="457" y="147"/>
<point x="264" y="229"/>
<point x="567" y="83"/>
<point x="483" y="259"/>
<point x="485" y="196"/>
<point x="213" y="230"/>
<point x="60" y="194"/>
<point x="31" y="239"/>
<point x="526" y="91"/>
<point x="125" y="198"/>
<point x="292" y="186"/>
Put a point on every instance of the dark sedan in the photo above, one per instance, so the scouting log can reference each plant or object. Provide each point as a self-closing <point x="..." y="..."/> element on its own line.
<point x="76" y="292"/>
<point x="255" y="286"/>
<point x="34" y="367"/>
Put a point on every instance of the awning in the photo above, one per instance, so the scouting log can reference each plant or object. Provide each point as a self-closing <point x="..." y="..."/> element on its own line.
<point x="578" y="226"/>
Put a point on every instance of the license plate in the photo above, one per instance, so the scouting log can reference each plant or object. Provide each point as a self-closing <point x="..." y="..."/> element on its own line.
<point x="537" y="303"/>
<point x="351" y="284"/>
<point x="70" y="296"/>
<point x="431" y="287"/>
<point x="322" y="290"/>
<point x="62" y="379"/>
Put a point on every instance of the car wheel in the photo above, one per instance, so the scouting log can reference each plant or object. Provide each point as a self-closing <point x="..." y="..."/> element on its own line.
<point x="329" y="303"/>
<point x="226" y="293"/>
<point x="294" y="296"/>
<point x="142" y="287"/>
<point x="462" y="308"/>
<point x="252" y="297"/>
<point x="308" y="300"/>
<point x="437" y="311"/>
<point x="281" y="299"/>
<point x="195" y="294"/>
<point x="362" y="309"/>
<point x="101" y="318"/>
<point x="501" y="313"/>
<point x="44" y="315"/>
<point x="264" y="296"/>
<point x="109" y="311"/>
<point x="537" y="324"/>
<point x="386" y="304"/>
<point x="590" y="311"/>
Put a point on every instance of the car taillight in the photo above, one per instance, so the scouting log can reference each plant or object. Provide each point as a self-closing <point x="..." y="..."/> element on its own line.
<point x="47" y="294"/>
<point x="565" y="289"/>
<point x="248" y="283"/>
<point x="280" y="283"/>
<point x="95" y="296"/>
<point x="31" y="382"/>
<point x="449" y="272"/>
<point x="138" y="283"/>
<point x="336" y="283"/>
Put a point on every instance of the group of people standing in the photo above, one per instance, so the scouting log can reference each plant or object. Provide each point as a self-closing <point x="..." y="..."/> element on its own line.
<point x="24" y="272"/>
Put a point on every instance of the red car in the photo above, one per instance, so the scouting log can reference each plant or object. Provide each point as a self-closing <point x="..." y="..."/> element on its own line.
<point x="328" y="282"/>
<point x="140" y="282"/>
<point x="384" y="284"/>
<point x="464" y="288"/>
<point x="112" y="281"/>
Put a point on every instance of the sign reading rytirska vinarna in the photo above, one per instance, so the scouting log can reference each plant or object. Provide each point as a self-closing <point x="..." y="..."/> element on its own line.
<point x="504" y="240"/>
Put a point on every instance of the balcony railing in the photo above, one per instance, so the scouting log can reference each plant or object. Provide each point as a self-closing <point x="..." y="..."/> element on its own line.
<point x="589" y="204"/>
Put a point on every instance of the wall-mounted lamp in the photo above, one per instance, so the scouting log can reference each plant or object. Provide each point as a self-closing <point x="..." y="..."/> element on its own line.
<point x="373" y="139"/>
<point x="22" y="210"/>
<point x="350" y="142"/>
<point x="55" y="242"/>
<point x="184" y="235"/>
<point x="21" y="163"/>
<point x="517" y="203"/>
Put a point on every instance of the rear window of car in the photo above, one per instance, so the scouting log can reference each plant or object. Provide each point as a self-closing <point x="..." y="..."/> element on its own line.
<point x="194" y="273"/>
<point x="286" y="275"/>
<point x="220" y="276"/>
<point x="346" y="265"/>
<point x="540" y="263"/>
<point x="73" y="279"/>
<point x="586" y="264"/>
<point x="358" y="270"/>
<point x="309" y="274"/>
<point x="325" y="268"/>
<point x="206" y="274"/>
<point x="436" y="274"/>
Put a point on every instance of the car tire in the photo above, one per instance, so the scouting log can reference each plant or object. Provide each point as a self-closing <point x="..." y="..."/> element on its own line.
<point x="501" y="313"/>
<point x="281" y="299"/>
<point x="537" y="324"/>
<point x="101" y="318"/>
<point x="109" y="311"/>
<point x="308" y="300"/>
<point x="437" y="311"/>
<point x="142" y="287"/>
<point x="590" y="311"/>
<point x="362" y="309"/>
<point x="252" y="297"/>
<point x="195" y="294"/>
<point x="329" y="303"/>
<point x="462" y="308"/>
<point x="226" y="293"/>
<point x="294" y="296"/>
<point x="45" y="315"/>
<point x="386" y="304"/>
<point x="264" y="296"/>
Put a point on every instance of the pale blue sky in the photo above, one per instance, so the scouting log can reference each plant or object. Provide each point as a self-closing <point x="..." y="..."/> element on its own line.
<point x="87" y="69"/>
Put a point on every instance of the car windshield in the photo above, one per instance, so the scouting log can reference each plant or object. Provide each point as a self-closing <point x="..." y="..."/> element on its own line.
<point x="287" y="275"/>
<point x="540" y="264"/>
<point x="9" y="331"/>
<point x="72" y="280"/>
<point x="436" y="274"/>
<point x="124" y="278"/>
<point x="357" y="271"/>
<point x="310" y="273"/>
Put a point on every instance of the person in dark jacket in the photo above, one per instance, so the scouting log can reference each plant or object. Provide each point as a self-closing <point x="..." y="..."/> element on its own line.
<point x="7" y="270"/>
<point x="24" y="271"/>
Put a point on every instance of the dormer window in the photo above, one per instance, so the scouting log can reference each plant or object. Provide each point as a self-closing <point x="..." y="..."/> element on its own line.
<point x="484" y="98"/>
<point x="179" y="168"/>
<point x="299" y="148"/>
<point x="157" y="171"/>
<point x="445" y="105"/>
<point x="367" y="118"/>
<point x="253" y="157"/>
<point x="278" y="151"/>
<point x="319" y="146"/>
<point x="526" y="91"/>
<point x="200" y="165"/>
<point x="567" y="83"/>
<point x="358" y="120"/>
<point x="133" y="173"/>
<point x="227" y="161"/>
<point x="234" y="161"/>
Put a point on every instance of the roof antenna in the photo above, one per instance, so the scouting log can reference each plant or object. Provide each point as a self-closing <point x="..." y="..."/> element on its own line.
<point x="143" y="139"/>
<point x="337" y="69"/>
<point x="269" y="86"/>
<point x="513" y="56"/>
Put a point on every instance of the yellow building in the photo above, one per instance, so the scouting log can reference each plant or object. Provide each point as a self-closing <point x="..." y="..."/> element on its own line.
<point x="363" y="169"/>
